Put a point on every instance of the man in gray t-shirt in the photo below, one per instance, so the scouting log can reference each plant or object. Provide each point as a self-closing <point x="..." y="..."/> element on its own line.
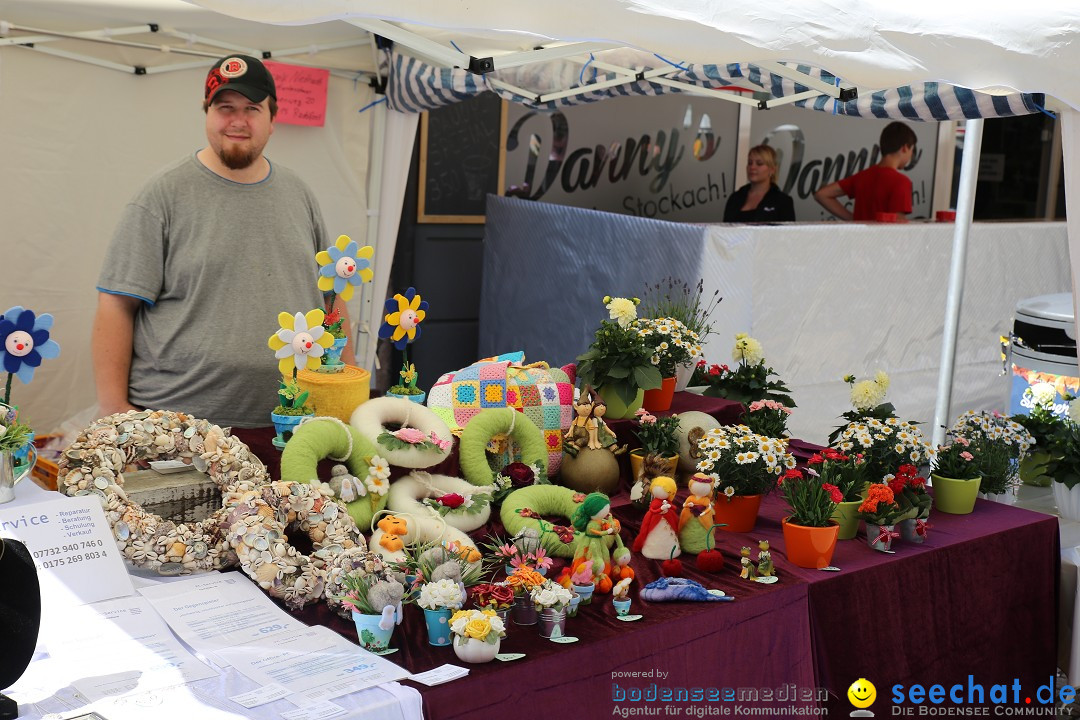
<point x="202" y="261"/>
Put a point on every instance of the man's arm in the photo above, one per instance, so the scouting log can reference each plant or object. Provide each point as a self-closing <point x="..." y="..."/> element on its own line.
<point x="111" y="343"/>
<point x="347" y="355"/>
<point x="827" y="198"/>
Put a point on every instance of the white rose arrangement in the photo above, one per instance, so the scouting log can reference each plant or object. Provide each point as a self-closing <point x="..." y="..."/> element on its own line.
<point x="441" y="594"/>
<point x="550" y="595"/>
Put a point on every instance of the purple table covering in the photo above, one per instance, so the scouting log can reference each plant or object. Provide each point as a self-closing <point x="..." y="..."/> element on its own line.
<point x="979" y="598"/>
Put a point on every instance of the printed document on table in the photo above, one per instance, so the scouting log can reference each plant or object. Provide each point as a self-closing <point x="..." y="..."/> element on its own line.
<point x="118" y="646"/>
<point x="219" y="610"/>
<point x="315" y="662"/>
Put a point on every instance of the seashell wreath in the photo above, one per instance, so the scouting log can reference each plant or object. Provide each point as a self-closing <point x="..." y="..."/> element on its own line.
<point x="249" y="529"/>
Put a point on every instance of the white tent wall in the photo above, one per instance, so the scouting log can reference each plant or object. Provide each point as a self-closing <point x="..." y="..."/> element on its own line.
<point x="78" y="141"/>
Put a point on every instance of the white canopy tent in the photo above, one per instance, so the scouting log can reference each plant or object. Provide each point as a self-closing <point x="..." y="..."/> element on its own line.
<point x="832" y="50"/>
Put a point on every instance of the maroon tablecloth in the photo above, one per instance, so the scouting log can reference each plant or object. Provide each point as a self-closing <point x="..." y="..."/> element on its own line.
<point x="979" y="598"/>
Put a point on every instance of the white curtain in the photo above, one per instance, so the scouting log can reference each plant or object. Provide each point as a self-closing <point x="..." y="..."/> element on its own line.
<point x="1070" y="146"/>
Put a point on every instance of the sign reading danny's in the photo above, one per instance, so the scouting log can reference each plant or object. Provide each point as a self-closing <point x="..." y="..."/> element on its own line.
<point x="670" y="157"/>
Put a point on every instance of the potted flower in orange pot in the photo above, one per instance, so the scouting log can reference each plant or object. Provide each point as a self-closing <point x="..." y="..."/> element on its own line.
<point x="672" y="344"/>
<point x="810" y="533"/>
<point x="880" y="511"/>
<point x="747" y="466"/>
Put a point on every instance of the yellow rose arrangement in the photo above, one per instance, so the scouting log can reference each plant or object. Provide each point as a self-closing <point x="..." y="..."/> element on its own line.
<point x="484" y="625"/>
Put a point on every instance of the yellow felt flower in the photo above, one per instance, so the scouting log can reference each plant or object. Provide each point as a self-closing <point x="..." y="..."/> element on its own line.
<point x="405" y="312"/>
<point x="300" y="341"/>
<point x="344" y="266"/>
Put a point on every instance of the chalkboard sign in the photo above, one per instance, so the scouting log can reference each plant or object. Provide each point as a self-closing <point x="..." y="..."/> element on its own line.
<point x="462" y="159"/>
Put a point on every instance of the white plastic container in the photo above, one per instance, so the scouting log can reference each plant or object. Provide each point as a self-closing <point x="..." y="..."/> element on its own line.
<point x="1043" y="349"/>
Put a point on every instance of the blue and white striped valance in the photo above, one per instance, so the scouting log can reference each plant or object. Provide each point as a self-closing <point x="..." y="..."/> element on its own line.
<point x="415" y="86"/>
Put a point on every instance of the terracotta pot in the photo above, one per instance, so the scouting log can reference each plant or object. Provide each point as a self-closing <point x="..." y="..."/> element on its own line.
<point x="740" y="512"/>
<point x="953" y="496"/>
<point x="810" y="547"/>
<point x="659" y="400"/>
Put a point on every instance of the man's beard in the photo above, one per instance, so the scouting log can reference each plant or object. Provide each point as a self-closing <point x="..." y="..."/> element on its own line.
<point x="237" y="158"/>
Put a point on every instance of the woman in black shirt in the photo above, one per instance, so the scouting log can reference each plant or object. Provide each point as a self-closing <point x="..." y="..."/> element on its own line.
<point x="760" y="200"/>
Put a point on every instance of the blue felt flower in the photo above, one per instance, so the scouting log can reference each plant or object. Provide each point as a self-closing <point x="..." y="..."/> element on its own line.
<point x="401" y="324"/>
<point x="24" y="341"/>
<point x="343" y="266"/>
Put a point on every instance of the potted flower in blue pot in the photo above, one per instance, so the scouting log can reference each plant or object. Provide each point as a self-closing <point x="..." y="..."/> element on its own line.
<point x="401" y="326"/>
<point x="298" y="344"/>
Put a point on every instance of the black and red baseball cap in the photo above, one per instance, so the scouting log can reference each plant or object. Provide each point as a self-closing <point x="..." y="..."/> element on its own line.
<point x="242" y="73"/>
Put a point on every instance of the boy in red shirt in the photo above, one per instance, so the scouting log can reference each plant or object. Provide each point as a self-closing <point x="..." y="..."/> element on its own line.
<point x="881" y="188"/>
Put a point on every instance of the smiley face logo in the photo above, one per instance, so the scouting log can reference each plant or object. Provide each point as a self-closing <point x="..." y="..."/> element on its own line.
<point x="862" y="693"/>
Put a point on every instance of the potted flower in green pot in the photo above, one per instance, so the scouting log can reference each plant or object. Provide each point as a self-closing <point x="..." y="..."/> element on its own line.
<point x="747" y="466"/>
<point x="880" y="511"/>
<point x="672" y="344"/>
<point x="618" y="363"/>
<point x="810" y="533"/>
<point x="659" y="451"/>
<point x="848" y="474"/>
<point x="401" y="326"/>
<point x="674" y="298"/>
<point x="955" y="477"/>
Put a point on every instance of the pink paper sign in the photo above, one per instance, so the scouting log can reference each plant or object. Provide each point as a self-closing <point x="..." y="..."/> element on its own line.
<point x="301" y="93"/>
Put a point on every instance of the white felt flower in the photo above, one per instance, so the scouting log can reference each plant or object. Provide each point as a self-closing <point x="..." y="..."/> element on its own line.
<point x="300" y="341"/>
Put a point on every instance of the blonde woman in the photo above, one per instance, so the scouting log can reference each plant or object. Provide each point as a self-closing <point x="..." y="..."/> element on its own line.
<point x="760" y="200"/>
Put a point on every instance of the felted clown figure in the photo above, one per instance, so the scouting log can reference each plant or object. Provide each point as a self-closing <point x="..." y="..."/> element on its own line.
<point x="659" y="536"/>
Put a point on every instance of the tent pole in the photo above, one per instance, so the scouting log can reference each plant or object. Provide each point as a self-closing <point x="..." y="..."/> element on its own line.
<point x="365" y="351"/>
<point x="965" y="207"/>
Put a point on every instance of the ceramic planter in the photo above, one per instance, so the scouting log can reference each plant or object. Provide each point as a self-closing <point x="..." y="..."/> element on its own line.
<point x="1068" y="501"/>
<point x="810" y="547"/>
<point x="847" y="515"/>
<point x="956" y="497"/>
<point x="333" y="356"/>
<point x="371" y="636"/>
<point x="880" y="537"/>
<point x="616" y="408"/>
<point x="622" y="607"/>
<point x="418" y="399"/>
<point x="683" y="373"/>
<point x="284" y="425"/>
<point x="659" y="400"/>
<point x="571" y="609"/>
<point x="438" y="626"/>
<point x="471" y="650"/>
<point x="1033" y="469"/>
<point x="739" y="512"/>
<point x="585" y="592"/>
<point x="552" y="623"/>
<point x="1006" y="498"/>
